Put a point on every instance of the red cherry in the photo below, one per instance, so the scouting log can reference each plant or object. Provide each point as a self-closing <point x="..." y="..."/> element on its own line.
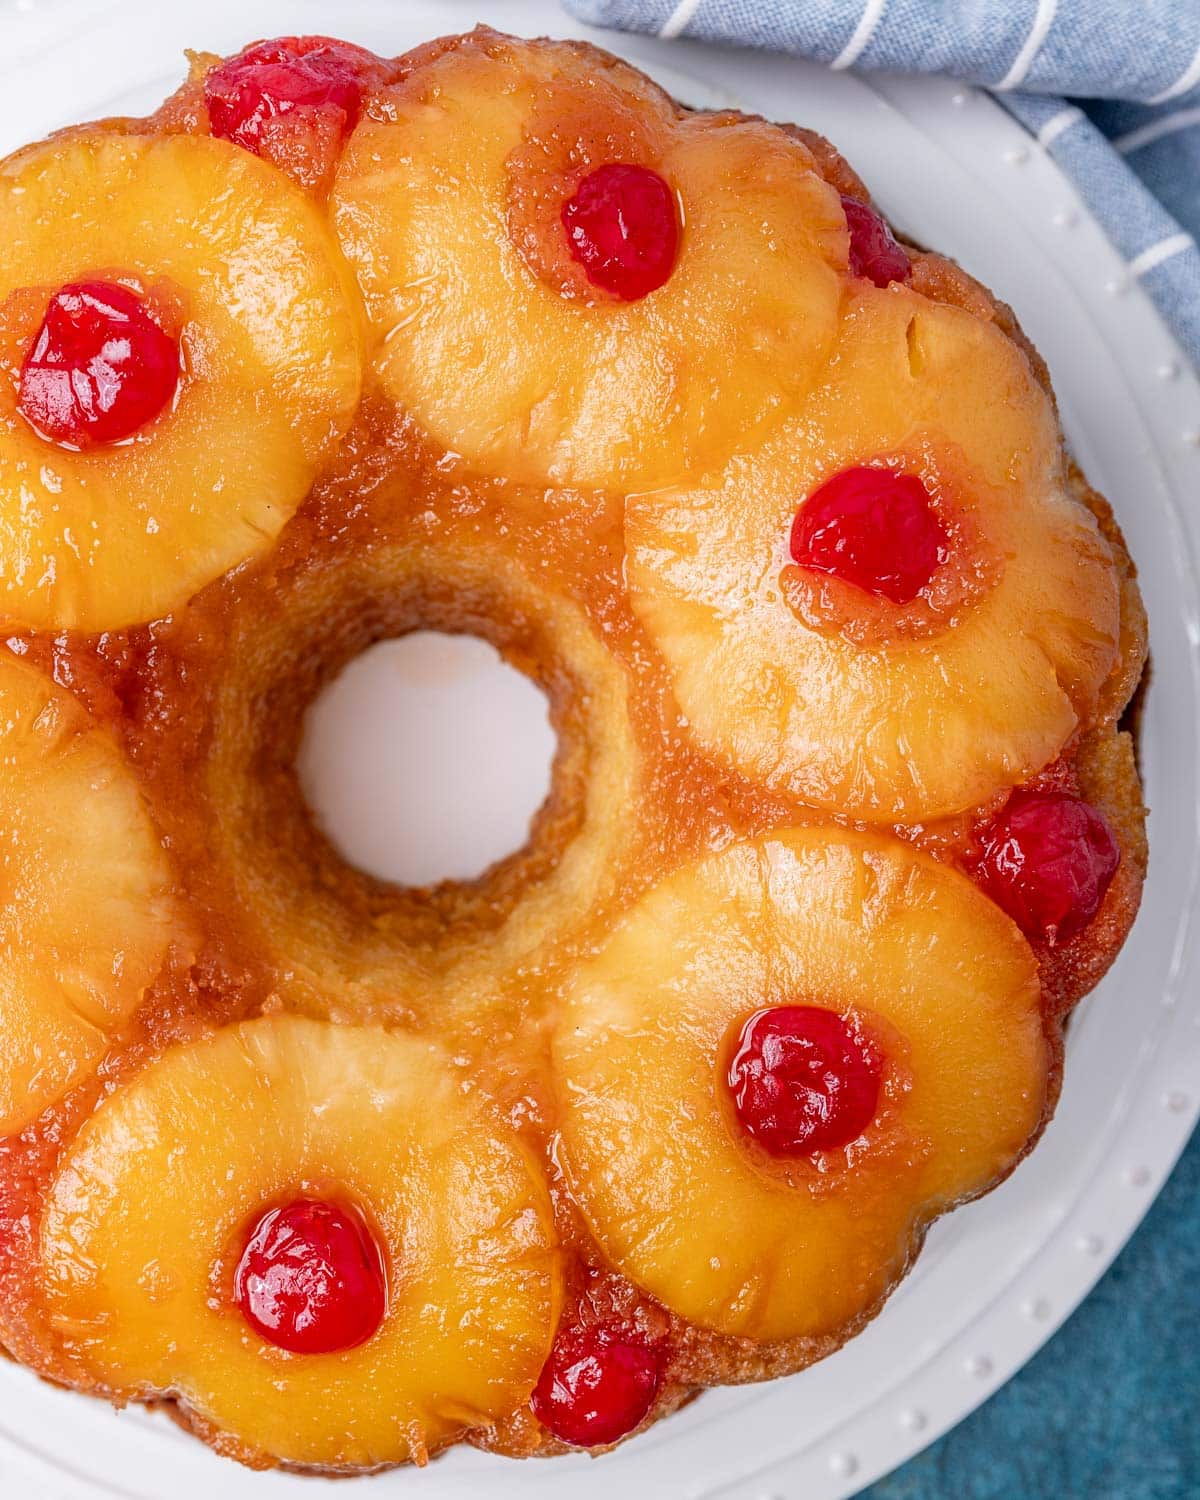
<point x="310" y="1279"/>
<point x="623" y="229"/>
<point x="873" y="528"/>
<point x="803" y="1080"/>
<point x="596" y="1386"/>
<point x="99" y="368"/>
<point x="1048" y="860"/>
<point x="277" y="77"/>
<point x="874" y="252"/>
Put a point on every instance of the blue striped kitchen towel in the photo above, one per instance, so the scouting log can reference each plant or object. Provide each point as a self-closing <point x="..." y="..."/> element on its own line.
<point x="1111" y="88"/>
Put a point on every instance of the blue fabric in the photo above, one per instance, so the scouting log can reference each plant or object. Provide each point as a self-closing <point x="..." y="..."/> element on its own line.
<point x="1107" y="1410"/>
<point x="1132" y="146"/>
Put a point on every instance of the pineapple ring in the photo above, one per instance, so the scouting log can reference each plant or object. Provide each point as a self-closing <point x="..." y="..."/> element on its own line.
<point x="678" y="1201"/>
<point x="974" y="699"/>
<point x="271" y="351"/>
<point x="567" y="385"/>
<point x="214" y="1129"/>
<point x="87" y="917"/>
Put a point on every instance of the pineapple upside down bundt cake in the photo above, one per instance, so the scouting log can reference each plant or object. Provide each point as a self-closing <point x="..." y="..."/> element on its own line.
<point x="494" y="337"/>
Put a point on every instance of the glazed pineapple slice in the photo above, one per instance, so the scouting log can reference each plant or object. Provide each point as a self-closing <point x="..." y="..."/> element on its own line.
<point x="571" y="281"/>
<point x="786" y="1207"/>
<point x="87" y="916"/>
<point x="349" y="1262"/>
<point x="179" y="364"/>
<point x="896" y="608"/>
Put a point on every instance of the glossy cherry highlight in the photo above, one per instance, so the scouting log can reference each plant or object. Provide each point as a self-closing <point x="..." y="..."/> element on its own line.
<point x="873" y="528"/>
<point x="287" y="74"/>
<point x="311" y="1278"/>
<point x="1048" y="861"/>
<point x="597" y="1385"/>
<point x="802" y="1079"/>
<point x="99" y="368"/>
<point x="874" y="252"/>
<point x="623" y="229"/>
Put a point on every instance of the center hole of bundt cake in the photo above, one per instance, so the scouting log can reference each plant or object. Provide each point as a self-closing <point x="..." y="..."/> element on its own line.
<point x="426" y="758"/>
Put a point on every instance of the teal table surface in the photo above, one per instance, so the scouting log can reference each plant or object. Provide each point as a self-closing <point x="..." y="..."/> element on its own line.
<point x="1110" y="1408"/>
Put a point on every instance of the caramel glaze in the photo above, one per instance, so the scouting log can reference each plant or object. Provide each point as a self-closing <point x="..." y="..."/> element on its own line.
<point x="209" y="705"/>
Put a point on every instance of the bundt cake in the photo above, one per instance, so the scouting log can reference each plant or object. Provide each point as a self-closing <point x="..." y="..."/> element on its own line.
<point x="496" y="338"/>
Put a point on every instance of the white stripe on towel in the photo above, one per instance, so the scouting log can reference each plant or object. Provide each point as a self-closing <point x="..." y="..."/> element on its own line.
<point x="1057" y="124"/>
<point x="679" y="17"/>
<point x="1042" y="22"/>
<point x="862" y="34"/>
<point x="1188" y="79"/>
<point x="1134" y="140"/>
<point x="1174" y="244"/>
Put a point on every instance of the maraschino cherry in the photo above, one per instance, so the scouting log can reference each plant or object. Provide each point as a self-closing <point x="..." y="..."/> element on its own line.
<point x="1048" y="860"/>
<point x="623" y="229"/>
<point x="289" y="73"/>
<point x="873" y="528"/>
<point x="802" y="1080"/>
<point x="311" y="1278"/>
<point x="874" y="252"/>
<point x="99" y="368"/>
<point x="598" y="1384"/>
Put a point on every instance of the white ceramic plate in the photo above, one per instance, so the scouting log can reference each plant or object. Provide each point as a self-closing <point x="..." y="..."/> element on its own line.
<point x="997" y="1278"/>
